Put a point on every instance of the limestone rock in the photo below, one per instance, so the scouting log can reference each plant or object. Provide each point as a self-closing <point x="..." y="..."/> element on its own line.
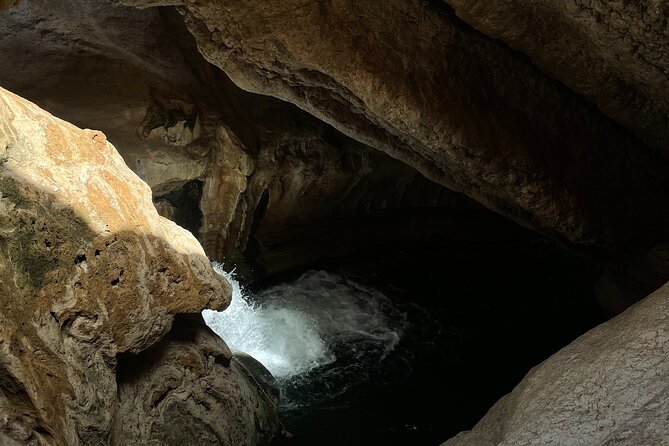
<point x="411" y="79"/>
<point x="609" y="387"/>
<point x="97" y="66"/>
<point x="196" y="393"/>
<point x="272" y="181"/>
<point x="615" y="53"/>
<point x="88" y="272"/>
<point x="302" y="196"/>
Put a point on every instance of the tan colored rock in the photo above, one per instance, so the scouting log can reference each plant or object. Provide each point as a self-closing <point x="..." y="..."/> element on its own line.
<point x="88" y="272"/>
<point x="411" y="79"/>
<point x="104" y="66"/>
<point x="609" y="387"/>
<point x="6" y="4"/>
<point x="481" y="120"/>
<point x="196" y="392"/>
<point x="615" y="53"/>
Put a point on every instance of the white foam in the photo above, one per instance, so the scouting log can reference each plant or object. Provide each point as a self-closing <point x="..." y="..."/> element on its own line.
<point x="291" y="328"/>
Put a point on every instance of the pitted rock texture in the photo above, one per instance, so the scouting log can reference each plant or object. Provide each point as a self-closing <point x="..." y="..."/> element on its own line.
<point x="88" y="271"/>
<point x="409" y="78"/>
<point x="609" y="387"/>
<point x="615" y="53"/>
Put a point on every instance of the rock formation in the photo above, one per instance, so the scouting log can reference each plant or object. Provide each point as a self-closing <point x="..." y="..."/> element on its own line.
<point x="465" y="110"/>
<point x="554" y="114"/>
<point x="89" y="274"/>
<point x="614" y="53"/>
<point x="609" y="387"/>
<point x="243" y="172"/>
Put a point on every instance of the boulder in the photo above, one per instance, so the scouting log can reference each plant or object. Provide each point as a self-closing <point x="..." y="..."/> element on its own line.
<point x="609" y="387"/>
<point x="89" y="273"/>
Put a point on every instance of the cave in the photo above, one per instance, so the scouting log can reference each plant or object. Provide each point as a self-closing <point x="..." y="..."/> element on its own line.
<point x="334" y="222"/>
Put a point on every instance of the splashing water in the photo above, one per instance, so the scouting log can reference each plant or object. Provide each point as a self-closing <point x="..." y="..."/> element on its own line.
<point x="297" y="327"/>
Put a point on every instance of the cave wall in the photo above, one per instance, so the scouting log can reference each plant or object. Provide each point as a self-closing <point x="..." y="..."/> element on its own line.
<point x="464" y="109"/>
<point x="613" y="53"/>
<point x="483" y="120"/>
<point x="554" y="115"/>
<point x="176" y="119"/>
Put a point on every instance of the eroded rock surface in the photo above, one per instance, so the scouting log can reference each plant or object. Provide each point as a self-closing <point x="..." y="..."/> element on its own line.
<point x="243" y="172"/>
<point x="411" y="79"/>
<point x="609" y="387"/>
<point x="615" y="53"/>
<point x="195" y="391"/>
<point x="88" y="271"/>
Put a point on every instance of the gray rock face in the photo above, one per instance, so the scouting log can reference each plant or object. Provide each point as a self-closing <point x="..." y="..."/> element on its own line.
<point x="609" y="387"/>
<point x="615" y="53"/>
<point x="89" y="273"/>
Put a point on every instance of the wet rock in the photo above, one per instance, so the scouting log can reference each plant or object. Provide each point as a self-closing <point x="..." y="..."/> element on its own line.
<point x="258" y="373"/>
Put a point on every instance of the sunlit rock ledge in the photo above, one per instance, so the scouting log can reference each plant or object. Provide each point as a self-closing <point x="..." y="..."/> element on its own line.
<point x="91" y="279"/>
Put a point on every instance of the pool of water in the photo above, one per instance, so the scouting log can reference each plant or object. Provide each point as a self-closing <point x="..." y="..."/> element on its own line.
<point x="364" y="353"/>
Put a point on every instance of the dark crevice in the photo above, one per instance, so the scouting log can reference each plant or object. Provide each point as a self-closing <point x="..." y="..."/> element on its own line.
<point x="253" y="246"/>
<point x="183" y="204"/>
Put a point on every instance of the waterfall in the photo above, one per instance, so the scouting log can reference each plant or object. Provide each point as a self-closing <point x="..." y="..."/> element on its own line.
<point x="297" y="328"/>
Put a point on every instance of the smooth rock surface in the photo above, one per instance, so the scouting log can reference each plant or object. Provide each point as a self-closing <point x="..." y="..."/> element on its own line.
<point x="609" y="387"/>
<point x="88" y="271"/>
